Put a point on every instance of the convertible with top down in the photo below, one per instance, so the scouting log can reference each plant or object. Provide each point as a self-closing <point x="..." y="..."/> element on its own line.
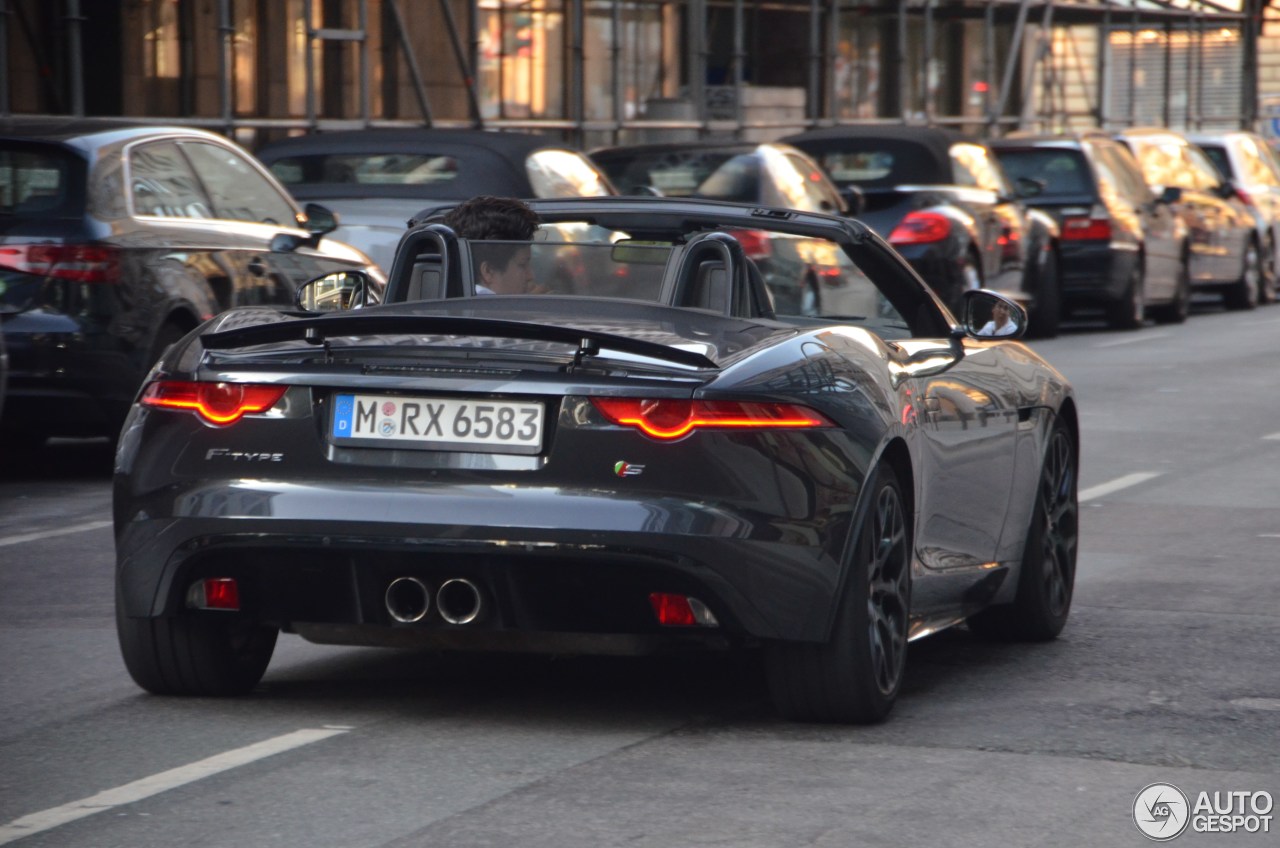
<point x="654" y="460"/>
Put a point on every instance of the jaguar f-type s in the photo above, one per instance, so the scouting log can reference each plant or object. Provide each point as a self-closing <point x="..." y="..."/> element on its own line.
<point x="631" y="451"/>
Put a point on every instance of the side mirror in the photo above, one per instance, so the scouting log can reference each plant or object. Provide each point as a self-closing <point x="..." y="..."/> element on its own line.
<point x="321" y="220"/>
<point x="338" y="292"/>
<point x="854" y="199"/>
<point x="1169" y="194"/>
<point x="988" y="315"/>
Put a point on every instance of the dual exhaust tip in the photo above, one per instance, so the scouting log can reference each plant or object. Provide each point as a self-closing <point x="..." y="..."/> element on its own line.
<point x="458" y="600"/>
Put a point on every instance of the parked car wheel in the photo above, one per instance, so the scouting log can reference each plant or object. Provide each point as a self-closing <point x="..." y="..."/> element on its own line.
<point x="856" y="675"/>
<point x="195" y="655"/>
<point x="1244" y="292"/>
<point x="1130" y="311"/>
<point x="1047" y="312"/>
<point x="1177" y="310"/>
<point x="1269" y="271"/>
<point x="1046" y="579"/>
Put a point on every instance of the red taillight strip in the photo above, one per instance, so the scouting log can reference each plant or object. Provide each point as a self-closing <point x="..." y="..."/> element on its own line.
<point x="921" y="228"/>
<point x="78" y="262"/>
<point x="667" y="419"/>
<point x="217" y="403"/>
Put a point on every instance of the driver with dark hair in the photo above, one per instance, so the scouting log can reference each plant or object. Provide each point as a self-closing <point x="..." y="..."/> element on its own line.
<point x="499" y="268"/>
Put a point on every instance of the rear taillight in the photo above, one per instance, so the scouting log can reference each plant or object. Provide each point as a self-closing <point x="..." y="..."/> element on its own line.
<point x="1245" y="197"/>
<point x="921" y="228"/>
<point x="1086" y="229"/>
<point x="220" y="404"/>
<point x="756" y="244"/>
<point x="78" y="262"/>
<point x="668" y="419"/>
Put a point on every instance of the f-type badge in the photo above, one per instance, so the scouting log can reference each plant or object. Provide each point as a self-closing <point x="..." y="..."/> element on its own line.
<point x="626" y="469"/>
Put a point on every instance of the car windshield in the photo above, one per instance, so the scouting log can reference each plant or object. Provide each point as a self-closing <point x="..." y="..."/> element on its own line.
<point x="1062" y="172"/>
<point x="627" y="269"/>
<point x="39" y="182"/>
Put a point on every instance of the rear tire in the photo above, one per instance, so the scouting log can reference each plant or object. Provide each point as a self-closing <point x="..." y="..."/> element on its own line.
<point x="1177" y="310"/>
<point x="1047" y="315"/>
<point x="195" y="654"/>
<point x="1046" y="579"/>
<point x="1130" y="311"/>
<point x="856" y="675"/>
<point x="1243" y="294"/>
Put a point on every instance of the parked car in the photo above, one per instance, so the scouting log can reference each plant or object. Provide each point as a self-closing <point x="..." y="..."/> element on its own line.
<point x="377" y="179"/>
<point x="115" y="243"/>
<point x="1122" y="249"/>
<point x="678" y="466"/>
<point x="801" y="272"/>
<point x="1253" y="168"/>
<point x="1224" y="255"/>
<point x="942" y="199"/>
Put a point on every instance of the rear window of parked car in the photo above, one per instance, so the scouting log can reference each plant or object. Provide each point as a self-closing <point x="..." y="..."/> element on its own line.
<point x="1060" y="171"/>
<point x="40" y="182"/>
<point x="367" y="169"/>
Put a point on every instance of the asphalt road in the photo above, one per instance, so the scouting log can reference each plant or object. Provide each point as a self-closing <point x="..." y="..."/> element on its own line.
<point x="1166" y="673"/>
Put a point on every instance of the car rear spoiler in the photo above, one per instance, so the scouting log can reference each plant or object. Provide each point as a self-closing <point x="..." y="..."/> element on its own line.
<point x="318" y="330"/>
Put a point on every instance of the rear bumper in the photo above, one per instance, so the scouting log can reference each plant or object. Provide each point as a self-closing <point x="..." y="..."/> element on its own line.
<point x="1095" y="273"/>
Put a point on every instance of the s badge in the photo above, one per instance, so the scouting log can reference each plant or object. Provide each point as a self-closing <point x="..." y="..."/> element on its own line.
<point x="626" y="469"/>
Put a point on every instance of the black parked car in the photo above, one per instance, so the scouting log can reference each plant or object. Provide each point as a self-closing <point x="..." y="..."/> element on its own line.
<point x="1224" y="254"/>
<point x="677" y="466"/>
<point x="1123" y="249"/>
<point x="942" y="199"/>
<point x="377" y="179"/>
<point x="116" y="242"/>
<point x="805" y="276"/>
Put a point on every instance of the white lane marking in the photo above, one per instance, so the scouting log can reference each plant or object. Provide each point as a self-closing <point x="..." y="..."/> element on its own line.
<point x="1117" y="484"/>
<point x="1141" y="337"/>
<point x="139" y="790"/>
<point x="1274" y="437"/>
<point x="45" y="534"/>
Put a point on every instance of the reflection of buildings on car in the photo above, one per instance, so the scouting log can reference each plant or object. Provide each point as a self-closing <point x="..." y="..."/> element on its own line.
<point x="376" y="180"/>
<point x="120" y="241"/>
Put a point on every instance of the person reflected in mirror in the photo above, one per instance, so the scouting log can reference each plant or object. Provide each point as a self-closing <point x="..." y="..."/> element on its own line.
<point x="499" y="268"/>
<point x="1001" y="323"/>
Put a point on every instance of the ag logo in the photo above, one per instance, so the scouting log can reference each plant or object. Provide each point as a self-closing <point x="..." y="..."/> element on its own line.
<point x="626" y="469"/>
<point x="1161" y="812"/>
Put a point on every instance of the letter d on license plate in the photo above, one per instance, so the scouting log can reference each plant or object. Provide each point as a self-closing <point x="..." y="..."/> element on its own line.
<point x="437" y="423"/>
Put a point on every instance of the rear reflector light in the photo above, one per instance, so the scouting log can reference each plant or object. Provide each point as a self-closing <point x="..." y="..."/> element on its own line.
<point x="681" y="611"/>
<point x="80" y="263"/>
<point x="217" y="403"/>
<point x="921" y="228"/>
<point x="668" y="419"/>
<point x="1086" y="229"/>
<point x="756" y="244"/>
<point x="216" y="593"/>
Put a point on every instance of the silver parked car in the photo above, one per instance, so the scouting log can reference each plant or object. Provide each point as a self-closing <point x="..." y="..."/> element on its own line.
<point x="1251" y="165"/>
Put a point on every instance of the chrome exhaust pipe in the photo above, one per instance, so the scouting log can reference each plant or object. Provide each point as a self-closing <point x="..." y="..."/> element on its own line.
<point x="408" y="599"/>
<point x="459" y="601"/>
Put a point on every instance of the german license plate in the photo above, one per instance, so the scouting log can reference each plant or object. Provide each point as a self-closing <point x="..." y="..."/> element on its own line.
<point x="437" y="423"/>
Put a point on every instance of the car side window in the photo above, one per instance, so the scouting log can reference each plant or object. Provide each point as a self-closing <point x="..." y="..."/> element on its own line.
<point x="1204" y="172"/>
<point x="238" y="190"/>
<point x="1258" y="168"/>
<point x="162" y="184"/>
<point x="818" y="195"/>
<point x="973" y="166"/>
<point x="564" y="173"/>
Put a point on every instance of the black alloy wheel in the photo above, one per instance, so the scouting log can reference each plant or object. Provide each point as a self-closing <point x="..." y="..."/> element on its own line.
<point x="855" y="676"/>
<point x="1046" y="578"/>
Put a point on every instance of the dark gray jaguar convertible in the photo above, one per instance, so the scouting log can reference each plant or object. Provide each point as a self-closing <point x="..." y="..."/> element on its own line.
<point x="632" y="453"/>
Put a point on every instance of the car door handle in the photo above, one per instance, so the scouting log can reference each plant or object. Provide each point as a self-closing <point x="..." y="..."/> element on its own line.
<point x="257" y="267"/>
